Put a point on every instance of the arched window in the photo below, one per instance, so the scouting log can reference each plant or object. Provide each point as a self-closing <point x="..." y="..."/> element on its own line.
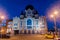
<point x="29" y="22"/>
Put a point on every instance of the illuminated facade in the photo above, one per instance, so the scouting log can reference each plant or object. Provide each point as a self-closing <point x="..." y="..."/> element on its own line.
<point x="29" y="22"/>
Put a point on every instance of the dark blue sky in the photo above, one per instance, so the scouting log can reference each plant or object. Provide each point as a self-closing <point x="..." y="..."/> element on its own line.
<point x="14" y="7"/>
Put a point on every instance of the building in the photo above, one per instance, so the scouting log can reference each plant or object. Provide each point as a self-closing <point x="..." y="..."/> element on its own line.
<point x="9" y="25"/>
<point x="29" y="22"/>
<point x="3" y="27"/>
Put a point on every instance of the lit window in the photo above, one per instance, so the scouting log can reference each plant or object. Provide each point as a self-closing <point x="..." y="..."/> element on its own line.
<point x="3" y="24"/>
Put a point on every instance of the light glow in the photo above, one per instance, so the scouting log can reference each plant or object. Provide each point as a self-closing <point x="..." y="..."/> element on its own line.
<point x="55" y="12"/>
<point x="51" y="16"/>
<point x="2" y="17"/>
<point x="2" y="30"/>
<point x="3" y="13"/>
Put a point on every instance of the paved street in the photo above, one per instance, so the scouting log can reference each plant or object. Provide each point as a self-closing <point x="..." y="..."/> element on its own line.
<point x="27" y="37"/>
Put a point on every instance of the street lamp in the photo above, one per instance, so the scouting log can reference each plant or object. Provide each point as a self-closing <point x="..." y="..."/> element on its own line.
<point x="54" y="15"/>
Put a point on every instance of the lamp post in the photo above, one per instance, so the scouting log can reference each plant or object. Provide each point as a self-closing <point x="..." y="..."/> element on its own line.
<point x="54" y="15"/>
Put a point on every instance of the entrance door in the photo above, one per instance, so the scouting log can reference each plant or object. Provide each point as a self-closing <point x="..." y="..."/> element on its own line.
<point x="16" y="32"/>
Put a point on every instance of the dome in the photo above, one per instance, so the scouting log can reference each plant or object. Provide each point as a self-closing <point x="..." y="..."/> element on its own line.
<point x="29" y="7"/>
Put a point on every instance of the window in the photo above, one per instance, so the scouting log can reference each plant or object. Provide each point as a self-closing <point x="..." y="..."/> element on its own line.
<point x="29" y="27"/>
<point x="3" y="24"/>
<point x="15" y="24"/>
<point x="29" y="12"/>
<point x="15" y="27"/>
<point x="20" y="23"/>
<point x="37" y="23"/>
<point x="29" y="23"/>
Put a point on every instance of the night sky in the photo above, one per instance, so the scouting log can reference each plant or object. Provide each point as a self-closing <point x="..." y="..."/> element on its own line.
<point x="14" y="7"/>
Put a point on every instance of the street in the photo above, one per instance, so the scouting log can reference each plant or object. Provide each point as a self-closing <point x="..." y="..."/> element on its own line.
<point x="27" y="37"/>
